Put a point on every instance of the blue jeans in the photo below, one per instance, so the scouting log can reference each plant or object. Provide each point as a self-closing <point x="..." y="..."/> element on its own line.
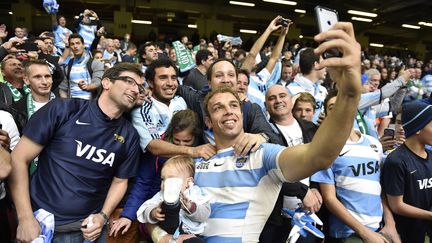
<point x="77" y="237"/>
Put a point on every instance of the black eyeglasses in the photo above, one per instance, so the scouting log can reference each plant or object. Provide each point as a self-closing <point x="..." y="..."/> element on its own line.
<point x="130" y="81"/>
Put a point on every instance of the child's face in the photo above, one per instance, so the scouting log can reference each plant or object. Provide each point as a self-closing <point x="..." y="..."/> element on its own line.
<point x="175" y="172"/>
<point x="184" y="138"/>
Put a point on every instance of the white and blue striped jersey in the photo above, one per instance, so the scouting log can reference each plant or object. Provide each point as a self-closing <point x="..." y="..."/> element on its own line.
<point x="59" y="36"/>
<point x="319" y="92"/>
<point x="79" y="72"/>
<point x="257" y="88"/>
<point x="356" y="177"/>
<point x="243" y="192"/>
<point x="88" y="33"/>
<point x="152" y="119"/>
<point x="259" y="84"/>
<point x="107" y="56"/>
<point x="427" y="84"/>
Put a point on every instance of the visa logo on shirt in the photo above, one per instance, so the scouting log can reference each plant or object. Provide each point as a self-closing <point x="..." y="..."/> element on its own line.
<point x="425" y="183"/>
<point x="94" y="154"/>
<point x="368" y="168"/>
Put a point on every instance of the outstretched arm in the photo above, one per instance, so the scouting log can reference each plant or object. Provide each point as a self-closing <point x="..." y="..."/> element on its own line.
<point x="277" y="50"/>
<point x="250" y="58"/>
<point x="301" y="161"/>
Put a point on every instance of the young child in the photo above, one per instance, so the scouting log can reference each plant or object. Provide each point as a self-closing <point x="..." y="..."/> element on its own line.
<point x="407" y="174"/>
<point x="180" y="207"/>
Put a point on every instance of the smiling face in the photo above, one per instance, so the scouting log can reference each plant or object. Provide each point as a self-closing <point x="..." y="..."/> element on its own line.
<point x="278" y="102"/>
<point x="242" y="84"/>
<point x="225" y="116"/>
<point x="223" y="73"/>
<point x="164" y="85"/>
<point x="122" y="93"/>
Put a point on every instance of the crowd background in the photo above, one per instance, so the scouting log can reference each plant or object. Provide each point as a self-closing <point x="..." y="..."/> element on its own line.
<point x="262" y="64"/>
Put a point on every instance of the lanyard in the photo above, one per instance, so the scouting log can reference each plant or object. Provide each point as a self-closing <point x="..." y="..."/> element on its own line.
<point x="361" y="123"/>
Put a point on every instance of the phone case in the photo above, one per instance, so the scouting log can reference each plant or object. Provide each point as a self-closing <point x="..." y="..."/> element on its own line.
<point x="326" y="17"/>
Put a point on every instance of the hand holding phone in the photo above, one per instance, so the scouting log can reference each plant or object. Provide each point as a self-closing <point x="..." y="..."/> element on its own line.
<point x="27" y="46"/>
<point x="388" y="132"/>
<point x="326" y="18"/>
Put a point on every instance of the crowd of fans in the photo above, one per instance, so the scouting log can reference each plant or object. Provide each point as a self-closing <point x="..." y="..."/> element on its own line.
<point x="106" y="140"/>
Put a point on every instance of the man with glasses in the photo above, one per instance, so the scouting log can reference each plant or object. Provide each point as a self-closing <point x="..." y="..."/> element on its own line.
<point x="87" y="151"/>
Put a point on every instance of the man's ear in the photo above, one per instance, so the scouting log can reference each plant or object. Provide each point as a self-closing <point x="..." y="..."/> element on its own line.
<point x="26" y="80"/>
<point x="106" y="83"/>
<point x="208" y="122"/>
<point x="150" y="83"/>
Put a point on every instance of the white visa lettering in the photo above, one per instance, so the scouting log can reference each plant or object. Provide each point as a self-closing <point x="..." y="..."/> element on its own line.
<point x="94" y="154"/>
<point x="425" y="183"/>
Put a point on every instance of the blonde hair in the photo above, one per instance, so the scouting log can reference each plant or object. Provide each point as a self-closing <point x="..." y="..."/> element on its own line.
<point x="183" y="163"/>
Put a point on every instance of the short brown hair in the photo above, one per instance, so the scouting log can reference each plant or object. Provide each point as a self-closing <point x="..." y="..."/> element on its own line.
<point x="219" y="90"/>
<point x="211" y="68"/>
<point x="306" y="98"/>
<point x="182" y="162"/>
<point x="34" y="62"/>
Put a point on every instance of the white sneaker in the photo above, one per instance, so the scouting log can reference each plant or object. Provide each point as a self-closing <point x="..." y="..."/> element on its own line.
<point x="172" y="188"/>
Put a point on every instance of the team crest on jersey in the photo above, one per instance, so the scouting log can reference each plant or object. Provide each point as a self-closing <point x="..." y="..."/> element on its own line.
<point x="374" y="147"/>
<point x="119" y="138"/>
<point x="241" y="161"/>
<point x="151" y="127"/>
<point x="203" y="166"/>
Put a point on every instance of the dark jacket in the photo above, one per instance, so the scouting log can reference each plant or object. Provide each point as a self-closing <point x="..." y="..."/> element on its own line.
<point x="21" y="115"/>
<point x="296" y="189"/>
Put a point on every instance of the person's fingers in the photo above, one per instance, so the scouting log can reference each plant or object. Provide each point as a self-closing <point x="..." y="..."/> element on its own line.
<point x="96" y="231"/>
<point x="332" y="62"/>
<point x="333" y="34"/>
<point x="340" y="44"/>
<point x="346" y="26"/>
<point x="255" y="147"/>
<point x="126" y="228"/>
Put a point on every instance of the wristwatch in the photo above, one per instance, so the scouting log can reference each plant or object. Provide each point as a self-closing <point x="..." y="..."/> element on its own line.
<point x="106" y="218"/>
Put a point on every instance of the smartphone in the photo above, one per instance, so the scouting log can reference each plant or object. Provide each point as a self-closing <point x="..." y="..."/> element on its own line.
<point x="326" y="18"/>
<point x="388" y="132"/>
<point x="27" y="46"/>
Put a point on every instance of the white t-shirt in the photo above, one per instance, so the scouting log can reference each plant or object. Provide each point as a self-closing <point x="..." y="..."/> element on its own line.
<point x="292" y="133"/>
<point x="294" y="136"/>
<point x="39" y="105"/>
<point x="8" y="125"/>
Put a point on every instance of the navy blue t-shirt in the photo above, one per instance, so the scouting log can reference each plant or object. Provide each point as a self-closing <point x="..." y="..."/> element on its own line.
<point x="408" y="175"/>
<point x="83" y="151"/>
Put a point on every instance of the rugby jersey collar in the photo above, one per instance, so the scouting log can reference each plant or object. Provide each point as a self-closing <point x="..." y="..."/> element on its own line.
<point x="100" y="116"/>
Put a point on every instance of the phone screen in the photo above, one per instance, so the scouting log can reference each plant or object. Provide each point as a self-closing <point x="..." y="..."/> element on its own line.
<point x="28" y="46"/>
